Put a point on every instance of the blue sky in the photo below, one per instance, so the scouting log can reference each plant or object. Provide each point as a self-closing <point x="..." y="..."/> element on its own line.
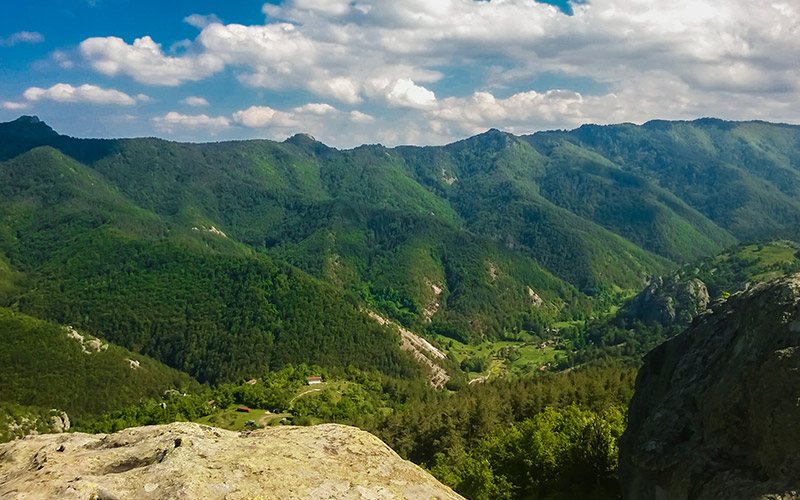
<point x="392" y="71"/>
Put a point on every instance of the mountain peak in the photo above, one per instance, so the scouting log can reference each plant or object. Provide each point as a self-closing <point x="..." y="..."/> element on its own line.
<point x="30" y="124"/>
<point x="28" y="119"/>
<point x="307" y="142"/>
<point x="22" y="134"/>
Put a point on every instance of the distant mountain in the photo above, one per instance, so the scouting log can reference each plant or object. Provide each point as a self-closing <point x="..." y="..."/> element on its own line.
<point x="222" y="258"/>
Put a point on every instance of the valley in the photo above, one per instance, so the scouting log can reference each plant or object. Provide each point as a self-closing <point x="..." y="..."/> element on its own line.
<point x="461" y="302"/>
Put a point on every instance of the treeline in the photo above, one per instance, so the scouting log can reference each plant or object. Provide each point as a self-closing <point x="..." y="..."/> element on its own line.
<point x="546" y="436"/>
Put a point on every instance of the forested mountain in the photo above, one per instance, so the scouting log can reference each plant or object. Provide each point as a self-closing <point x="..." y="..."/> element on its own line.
<point x="221" y="259"/>
<point x="47" y="368"/>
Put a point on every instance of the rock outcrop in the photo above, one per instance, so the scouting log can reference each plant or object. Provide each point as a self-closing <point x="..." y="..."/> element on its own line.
<point x="716" y="412"/>
<point x="186" y="460"/>
<point x="670" y="301"/>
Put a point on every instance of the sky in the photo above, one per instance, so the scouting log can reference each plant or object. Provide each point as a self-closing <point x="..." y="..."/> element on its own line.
<point x="394" y="72"/>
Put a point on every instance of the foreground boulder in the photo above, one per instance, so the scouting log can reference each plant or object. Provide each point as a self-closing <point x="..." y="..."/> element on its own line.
<point x="185" y="460"/>
<point x="716" y="412"/>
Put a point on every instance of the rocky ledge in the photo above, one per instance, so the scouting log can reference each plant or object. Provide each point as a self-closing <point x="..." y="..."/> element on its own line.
<point x="185" y="460"/>
<point x="716" y="411"/>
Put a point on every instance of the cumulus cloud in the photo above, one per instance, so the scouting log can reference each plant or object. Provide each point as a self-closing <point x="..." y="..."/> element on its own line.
<point x="404" y="93"/>
<point x="359" y="117"/>
<point x="174" y="122"/>
<point x="612" y="60"/>
<point x="263" y="116"/>
<point x="145" y="62"/>
<point x="14" y="106"/>
<point x="551" y="109"/>
<point x="315" y="108"/>
<point x="21" y="37"/>
<point x="64" y="92"/>
<point x="195" y="101"/>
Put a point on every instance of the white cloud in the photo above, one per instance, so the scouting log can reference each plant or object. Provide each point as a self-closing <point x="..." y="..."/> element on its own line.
<point x="145" y="62"/>
<point x="14" y="106"/>
<point x="315" y="108"/>
<point x="531" y="110"/>
<point x="64" y="92"/>
<point x="359" y="117"/>
<point x="404" y="93"/>
<point x="195" y="101"/>
<point x="620" y="60"/>
<point x="201" y="21"/>
<point x="263" y="116"/>
<point x="21" y="37"/>
<point x="62" y="59"/>
<point x="328" y="7"/>
<point x="341" y="88"/>
<point x="174" y="122"/>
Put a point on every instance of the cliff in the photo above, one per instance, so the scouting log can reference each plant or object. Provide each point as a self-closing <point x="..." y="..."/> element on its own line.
<point x="670" y="300"/>
<point x="186" y="460"/>
<point x="716" y="411"/>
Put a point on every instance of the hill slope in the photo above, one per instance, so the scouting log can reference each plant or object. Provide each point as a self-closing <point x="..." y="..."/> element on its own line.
<point x="44" y="365"/>
<point x="149" y="242"/>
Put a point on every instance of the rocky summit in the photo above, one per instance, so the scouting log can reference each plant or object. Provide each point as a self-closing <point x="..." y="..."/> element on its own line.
<point x="716" y="411"/>
<point x="186" y="460"/>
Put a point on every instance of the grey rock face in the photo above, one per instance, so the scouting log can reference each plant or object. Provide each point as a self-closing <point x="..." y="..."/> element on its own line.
<point x="184" y="460"/>
<point x="716" y="412"/>
<point x="59" y="422"/>
<point x="671" y="300"/>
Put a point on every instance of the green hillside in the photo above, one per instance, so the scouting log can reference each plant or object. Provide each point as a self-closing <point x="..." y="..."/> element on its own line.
<point x="221" y="259"/>
<point x="46" y="365"/>
<point x="743" y="176"/>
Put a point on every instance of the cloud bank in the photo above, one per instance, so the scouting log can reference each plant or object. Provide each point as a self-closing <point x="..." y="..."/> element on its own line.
<point x="86" y="93"/>
<point x="611" y="60"/>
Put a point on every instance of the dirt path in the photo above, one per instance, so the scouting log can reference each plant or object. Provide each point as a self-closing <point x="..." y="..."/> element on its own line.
<point x="291" y="401"/>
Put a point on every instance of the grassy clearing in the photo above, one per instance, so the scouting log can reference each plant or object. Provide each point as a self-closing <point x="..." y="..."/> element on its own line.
<point x="233" y="420"/>
<point x="507" y="356"/>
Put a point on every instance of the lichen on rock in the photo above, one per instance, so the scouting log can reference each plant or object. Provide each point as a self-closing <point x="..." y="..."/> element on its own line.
<point x="187" y="460"/>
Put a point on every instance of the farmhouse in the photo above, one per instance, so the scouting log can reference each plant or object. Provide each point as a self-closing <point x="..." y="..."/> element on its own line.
<point x="314" y="380"/>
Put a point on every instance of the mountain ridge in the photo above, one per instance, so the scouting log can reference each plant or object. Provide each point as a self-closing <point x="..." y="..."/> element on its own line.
<point x="579" y="218"/>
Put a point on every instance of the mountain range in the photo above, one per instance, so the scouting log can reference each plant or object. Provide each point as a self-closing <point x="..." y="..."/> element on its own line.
<point x="223" y="259"/>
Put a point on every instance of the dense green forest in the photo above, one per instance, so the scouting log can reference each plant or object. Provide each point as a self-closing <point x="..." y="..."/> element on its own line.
<point x="579" y="217"/>
<point x="141" y="279"/>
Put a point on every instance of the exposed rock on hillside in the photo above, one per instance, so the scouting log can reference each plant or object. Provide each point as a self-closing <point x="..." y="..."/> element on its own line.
<point x="670" y="300"/>
<point x="715" y="413"/>
<point x="184" y="460"/>
<point x="420" y="349"/>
